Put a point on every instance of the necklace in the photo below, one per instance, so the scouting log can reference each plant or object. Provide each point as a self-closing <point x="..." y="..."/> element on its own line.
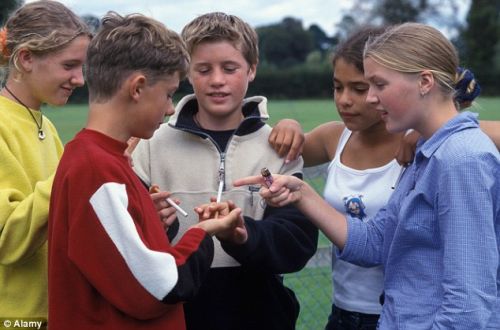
<point x="41" y="133"/>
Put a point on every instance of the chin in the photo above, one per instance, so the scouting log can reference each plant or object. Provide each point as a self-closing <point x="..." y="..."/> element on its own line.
<point x="59" y="101"/>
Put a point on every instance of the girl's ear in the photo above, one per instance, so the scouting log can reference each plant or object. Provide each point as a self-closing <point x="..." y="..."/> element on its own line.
<point x="25" y="60"/>
<point x="426" y="82"/>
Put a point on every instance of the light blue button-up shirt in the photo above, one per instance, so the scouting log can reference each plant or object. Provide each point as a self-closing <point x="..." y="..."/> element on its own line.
<point x="439" y="236"/>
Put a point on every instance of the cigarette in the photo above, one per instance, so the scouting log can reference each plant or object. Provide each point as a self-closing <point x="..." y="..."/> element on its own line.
<point x="155" y="189"/>
<point x="219" y="192"/>
<point x="177" y="207"/>
<point x="268" y="178"/>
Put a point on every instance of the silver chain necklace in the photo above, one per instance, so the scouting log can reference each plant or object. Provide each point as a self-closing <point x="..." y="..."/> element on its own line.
<point x="41" y="133"/>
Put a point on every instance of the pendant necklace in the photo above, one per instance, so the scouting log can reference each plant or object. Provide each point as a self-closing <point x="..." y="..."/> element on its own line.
<point x="41" y="133"/>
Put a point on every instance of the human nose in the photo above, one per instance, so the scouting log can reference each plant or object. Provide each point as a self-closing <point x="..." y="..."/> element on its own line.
<point x="343" y="98"/>
<point x="77" y="78"/>
<point x="217" y="77"/>
<point x="371" y="97"/>
<point x="170" y="110"/>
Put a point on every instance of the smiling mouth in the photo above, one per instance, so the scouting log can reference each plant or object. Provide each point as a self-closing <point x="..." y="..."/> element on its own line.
<point x="219" y="94"/>
<point x="347" y="114"/>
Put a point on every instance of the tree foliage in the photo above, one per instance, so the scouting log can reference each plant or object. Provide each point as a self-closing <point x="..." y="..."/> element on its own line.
<point x="285" y="43"/>
<point x="6" y="7"/>
<point x="481" y="40"/>
<point x="92" y="21"/>
<point x="385" y="12"/>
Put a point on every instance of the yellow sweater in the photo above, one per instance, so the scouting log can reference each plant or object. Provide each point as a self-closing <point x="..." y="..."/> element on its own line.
<point x="27" y="167"/>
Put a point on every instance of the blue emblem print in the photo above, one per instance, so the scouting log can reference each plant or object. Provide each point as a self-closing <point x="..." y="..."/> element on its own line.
<point x="354" y="206"/>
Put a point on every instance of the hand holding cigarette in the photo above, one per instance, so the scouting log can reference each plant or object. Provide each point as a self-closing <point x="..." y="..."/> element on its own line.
<point x="156" y="189"/>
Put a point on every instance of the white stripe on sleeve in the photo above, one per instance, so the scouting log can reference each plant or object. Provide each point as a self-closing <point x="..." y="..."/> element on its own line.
<point x="156" y="271"/>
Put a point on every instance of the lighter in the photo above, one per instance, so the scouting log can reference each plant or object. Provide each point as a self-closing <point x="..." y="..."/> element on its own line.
<point x="268" y="178"/>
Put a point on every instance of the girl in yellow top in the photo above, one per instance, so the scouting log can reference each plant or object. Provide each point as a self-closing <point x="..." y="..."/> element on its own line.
<point x="42" y="47"/>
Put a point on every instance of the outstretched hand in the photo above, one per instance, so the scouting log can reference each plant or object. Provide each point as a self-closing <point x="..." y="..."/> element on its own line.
<point x="284" y="190"/>
<point x="287" y="138"/>
<point x="223" y="220"/>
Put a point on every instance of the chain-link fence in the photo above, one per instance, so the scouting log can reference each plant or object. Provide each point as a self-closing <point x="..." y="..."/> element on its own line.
<point x="313" y="284"/>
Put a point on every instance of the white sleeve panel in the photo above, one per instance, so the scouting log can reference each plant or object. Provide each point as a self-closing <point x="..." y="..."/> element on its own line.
<point x="156" y="271"/>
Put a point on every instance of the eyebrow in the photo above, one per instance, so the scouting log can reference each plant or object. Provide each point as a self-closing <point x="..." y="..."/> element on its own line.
<point x="355" y="82"/>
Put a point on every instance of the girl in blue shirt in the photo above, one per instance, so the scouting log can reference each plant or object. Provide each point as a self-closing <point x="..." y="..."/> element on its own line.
<point x="437" y="238"/>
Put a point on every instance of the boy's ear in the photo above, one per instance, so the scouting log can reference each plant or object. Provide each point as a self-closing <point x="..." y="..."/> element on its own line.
<point x="252" y="72"/>
<point x="426" y="82"/>
<point x="136" y="84"/>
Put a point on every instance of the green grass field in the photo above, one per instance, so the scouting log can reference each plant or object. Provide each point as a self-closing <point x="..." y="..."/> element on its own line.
<point x="310" y="113"/>
<point x="312" y="285"/>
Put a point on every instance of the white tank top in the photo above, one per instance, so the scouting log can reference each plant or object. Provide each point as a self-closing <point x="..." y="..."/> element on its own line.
<point x="360" y="194"/>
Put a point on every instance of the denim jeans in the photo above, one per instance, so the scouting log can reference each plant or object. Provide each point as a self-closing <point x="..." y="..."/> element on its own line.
<point x="341" y="319"/>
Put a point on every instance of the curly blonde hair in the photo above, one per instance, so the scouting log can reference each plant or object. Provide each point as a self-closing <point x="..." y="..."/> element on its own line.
<point x="41" y="27"/>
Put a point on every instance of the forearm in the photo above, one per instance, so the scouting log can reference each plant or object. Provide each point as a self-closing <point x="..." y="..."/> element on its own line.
<point x="332" y="223"/>
<point x="24" y="221"/>
<point x="192" y="266"/>
<point x="282" y="242"/>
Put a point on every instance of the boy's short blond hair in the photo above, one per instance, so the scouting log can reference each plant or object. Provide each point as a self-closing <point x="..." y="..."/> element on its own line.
<point x="132" y="43"/>
<point x="219" y="26"/>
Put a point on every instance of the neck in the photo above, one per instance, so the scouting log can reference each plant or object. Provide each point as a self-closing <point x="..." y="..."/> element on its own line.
<point x="105" y="119"/>
<point x="377" y="134"/>
<point x="436" y="117"/>
<point x="20" y="94"/>
<point x="224" y="123"/>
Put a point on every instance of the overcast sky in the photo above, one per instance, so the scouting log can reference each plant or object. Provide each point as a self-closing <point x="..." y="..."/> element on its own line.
<point x="176" y="13"/>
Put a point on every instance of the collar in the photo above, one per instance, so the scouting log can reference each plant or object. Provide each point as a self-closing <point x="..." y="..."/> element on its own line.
<point x="462" y="121"/>
<point x="254" y="113"/>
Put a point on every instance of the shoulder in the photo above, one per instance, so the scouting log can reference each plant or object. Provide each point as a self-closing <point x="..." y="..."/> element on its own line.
<point x="326" y="135"/>
<point x="470" y="142"/>
<point x="467" y="154"/>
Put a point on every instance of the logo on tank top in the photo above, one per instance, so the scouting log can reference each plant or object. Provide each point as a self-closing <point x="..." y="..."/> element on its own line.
<point x="354" y="206"/>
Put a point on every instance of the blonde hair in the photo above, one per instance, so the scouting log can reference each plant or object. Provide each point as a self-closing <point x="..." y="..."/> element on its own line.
<point x="132" y="43"/>
<point x="217" y="26"/>
<point x="42" y="27"/>
<point x="413" y="48"/>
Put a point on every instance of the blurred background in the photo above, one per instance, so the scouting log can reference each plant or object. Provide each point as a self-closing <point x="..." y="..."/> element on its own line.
<point x="295" y="56"/>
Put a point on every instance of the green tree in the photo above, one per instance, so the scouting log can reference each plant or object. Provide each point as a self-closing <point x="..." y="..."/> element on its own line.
<point x="322" y="42"/>
<point x="285" y="43"/>
<point x="480" y="41"/>
<point x="6" y="7"/>
<point x="383" y="12"/>
<point x="398" y="11"/>
<point x="92" y="21"/>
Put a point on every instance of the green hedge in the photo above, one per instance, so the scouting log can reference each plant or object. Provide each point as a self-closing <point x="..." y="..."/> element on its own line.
<point x="293" y="83"/>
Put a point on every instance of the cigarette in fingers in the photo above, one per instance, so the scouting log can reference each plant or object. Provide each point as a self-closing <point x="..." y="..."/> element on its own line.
<point x="155" y="189"/>
<point x="177" y="207"/>
<point x="268" y="178"/>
